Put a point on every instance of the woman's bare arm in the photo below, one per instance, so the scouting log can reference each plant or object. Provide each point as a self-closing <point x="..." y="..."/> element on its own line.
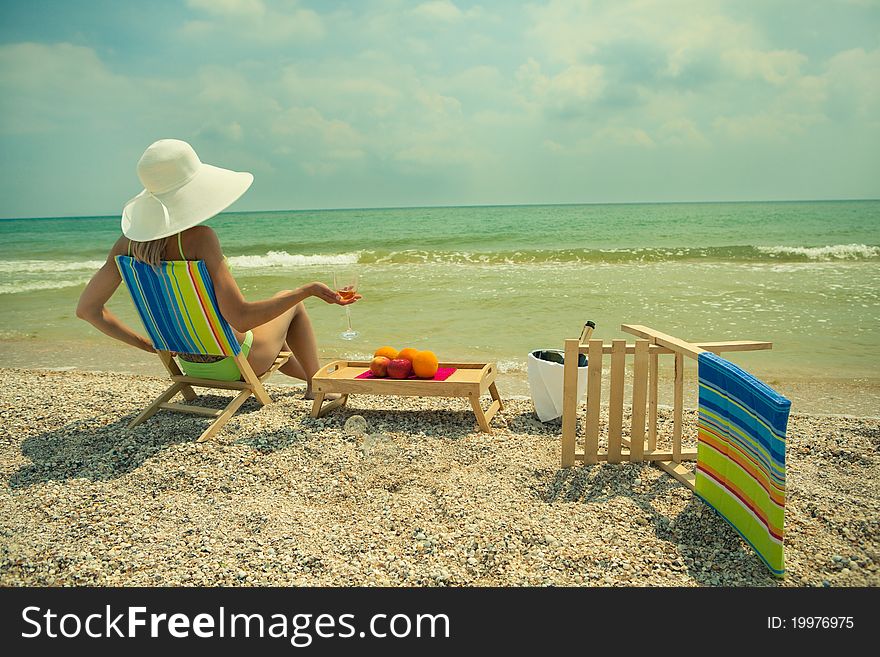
<point x="92" y="302"/>
<point x="241" y="314"/>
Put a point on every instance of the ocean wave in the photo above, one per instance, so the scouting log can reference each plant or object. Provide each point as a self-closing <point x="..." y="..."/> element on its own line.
<point x="511" y="366"/>
<point x="47" y="266"/>
<point x="285" y="259"/>
<point x="831" y="252"/>
<point x="742" y="253"/>
<point x="38" y="274"/>
<point x="34" y="286"/>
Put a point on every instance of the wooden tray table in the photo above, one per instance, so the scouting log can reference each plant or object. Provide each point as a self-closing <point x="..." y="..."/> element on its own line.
<point x="469" y="380"/>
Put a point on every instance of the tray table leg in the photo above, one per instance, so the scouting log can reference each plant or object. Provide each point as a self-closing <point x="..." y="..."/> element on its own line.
<point x="483" y="418"/>
<point x="494" y="392"/>
<point x="318" y="411"/>
<point x="316" y="404"/>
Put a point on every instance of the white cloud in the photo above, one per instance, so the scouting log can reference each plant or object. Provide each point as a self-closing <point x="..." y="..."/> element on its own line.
<point x="682" y="31"/>
<point x="229" y="131"/>
<point x="625" y="136"/>
<point x="328" y="139"/>
<point x="576" y="85"/>
<point x="846" y="91"/>
<point x="235" y="8"/>
<point x="775" y="66"/>
<point x="445" y="91"/>
<point x="692" y="38"/>
<point x="685" y="74"/>
<point x="853" y="82"/>
<point x="681" y="131"/>
<point x="50" y="87"/>
<point x="344" y="88"/>
<point x="437" y="103"/>
<point x="253" y="20"/>
<point x="442" y="10"/>
<point x="775" y="126"/>
<point x="222" y="87"/>
<point x="446" y="11"/>
<point x="806" y="91"/>
<point x="568" y="93"/>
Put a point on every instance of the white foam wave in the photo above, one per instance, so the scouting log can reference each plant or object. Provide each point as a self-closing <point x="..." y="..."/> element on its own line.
<point x="47" y="266"/>
<point x="33" y="286"/>
<point x="831" y="252"/>
<point x="285" y="259"/>
<point x="508" y="366"/>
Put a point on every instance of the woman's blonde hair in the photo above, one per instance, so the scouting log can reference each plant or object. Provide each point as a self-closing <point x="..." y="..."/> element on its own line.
<point x="149" y="252"/>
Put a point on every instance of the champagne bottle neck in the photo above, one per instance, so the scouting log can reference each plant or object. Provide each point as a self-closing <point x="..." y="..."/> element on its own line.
<point x="587" y="332"/>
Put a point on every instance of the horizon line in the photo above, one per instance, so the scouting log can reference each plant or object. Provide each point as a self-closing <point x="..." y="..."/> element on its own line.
<point x="477" y="205"/>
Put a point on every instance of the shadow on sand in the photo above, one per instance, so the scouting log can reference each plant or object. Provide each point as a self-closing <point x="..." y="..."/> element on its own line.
<point x="91" y="450"/>
<point x="697" y="529"/>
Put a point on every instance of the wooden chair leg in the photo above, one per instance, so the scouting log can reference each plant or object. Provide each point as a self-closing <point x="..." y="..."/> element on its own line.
<point x="569" y="403"/>
<point x="168" y="361"/>
<point x="252" y="386"/>
<point x="188" y="393"/>
<point x="150" y="410"/>
<point x="653" y="372"/>
<point x="678" y="406"/>
<point x="282" y="358"/>
<point x="225" y="416"/>
<point x="247" y="373"/>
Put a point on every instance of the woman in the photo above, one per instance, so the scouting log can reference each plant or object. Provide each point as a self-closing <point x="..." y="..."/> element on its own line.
<point x="162" y="223"/>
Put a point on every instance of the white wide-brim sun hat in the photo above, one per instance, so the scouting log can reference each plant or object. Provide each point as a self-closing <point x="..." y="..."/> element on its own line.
<point x="180" y="191"/>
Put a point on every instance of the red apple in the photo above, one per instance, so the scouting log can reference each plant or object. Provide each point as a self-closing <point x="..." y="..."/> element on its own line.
<point x="399" y="368"/>
<point x="379" y="366"/>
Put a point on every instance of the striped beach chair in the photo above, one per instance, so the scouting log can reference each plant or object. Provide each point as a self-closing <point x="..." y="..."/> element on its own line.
<point x="741" y="454"/>
<point x="741" y="428"/>
<point x="177" y="305"/>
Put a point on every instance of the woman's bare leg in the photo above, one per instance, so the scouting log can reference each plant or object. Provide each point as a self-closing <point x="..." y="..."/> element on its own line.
<point x="301" y="338"/>
<point x="292" y="366"/>
<point x="269" y="338"/>
<point x="291" y="330"/>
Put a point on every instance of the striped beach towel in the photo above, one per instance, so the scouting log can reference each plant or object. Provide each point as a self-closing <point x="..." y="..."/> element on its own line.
<point x="741" y="454"/>
<point x="177" y="304"/>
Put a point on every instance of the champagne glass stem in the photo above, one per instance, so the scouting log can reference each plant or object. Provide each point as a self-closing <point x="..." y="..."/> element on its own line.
<point x="348" y="315"/>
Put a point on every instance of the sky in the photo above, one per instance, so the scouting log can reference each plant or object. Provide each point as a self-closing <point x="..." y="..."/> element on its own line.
<point x="380" y="103"/>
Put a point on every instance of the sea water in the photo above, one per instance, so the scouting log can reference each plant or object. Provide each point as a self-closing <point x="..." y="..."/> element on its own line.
<point x="493" y="283"/>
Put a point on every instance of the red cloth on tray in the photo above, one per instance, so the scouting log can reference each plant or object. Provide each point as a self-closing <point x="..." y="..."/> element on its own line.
<point x="442" y="374"/>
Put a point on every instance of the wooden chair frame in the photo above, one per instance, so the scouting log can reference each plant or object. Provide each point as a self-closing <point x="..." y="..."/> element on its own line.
<point x="251" y="384"/>
<point x="642" y="445"/>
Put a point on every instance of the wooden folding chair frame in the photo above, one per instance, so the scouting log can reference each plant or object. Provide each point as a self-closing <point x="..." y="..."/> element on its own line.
<point x="250" y="385"/>
<point x="642" y="445"/>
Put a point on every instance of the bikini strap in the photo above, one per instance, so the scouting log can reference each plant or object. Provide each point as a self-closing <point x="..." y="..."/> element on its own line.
<point x="180" y="246"/>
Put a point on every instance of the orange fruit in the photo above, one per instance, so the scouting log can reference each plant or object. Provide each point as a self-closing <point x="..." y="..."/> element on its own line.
<point x="409" y="353"/>
<point x="389" y="352"/>
<point x="425" y="364"/>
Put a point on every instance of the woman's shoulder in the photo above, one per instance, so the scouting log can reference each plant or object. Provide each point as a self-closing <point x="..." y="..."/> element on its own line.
<point x="200" y="233"/>
<point x="120" y="246"/>
<point x="200" y="242"/>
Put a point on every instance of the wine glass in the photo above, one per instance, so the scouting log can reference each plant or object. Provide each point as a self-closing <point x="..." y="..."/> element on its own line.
<point x="346" y="284"/>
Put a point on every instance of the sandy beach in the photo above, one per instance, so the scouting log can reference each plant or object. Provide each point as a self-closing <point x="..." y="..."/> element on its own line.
<point x="422" y="500"/>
